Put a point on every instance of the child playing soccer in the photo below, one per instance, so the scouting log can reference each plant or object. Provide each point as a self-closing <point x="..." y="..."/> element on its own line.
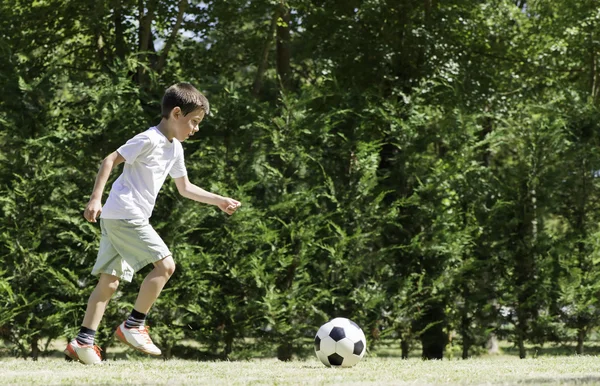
<point x="128" y="241"/>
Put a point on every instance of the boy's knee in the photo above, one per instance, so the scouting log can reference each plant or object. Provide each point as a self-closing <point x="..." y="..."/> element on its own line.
<point x="170" y="269"/>
<point x="113" y="285"/>
<point x="108" y="283"/>
<point x="167" y="265"/>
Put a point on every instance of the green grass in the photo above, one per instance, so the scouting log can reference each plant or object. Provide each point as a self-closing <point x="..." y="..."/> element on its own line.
<point x="499" y="370"/>
<point x="549" y="365"/>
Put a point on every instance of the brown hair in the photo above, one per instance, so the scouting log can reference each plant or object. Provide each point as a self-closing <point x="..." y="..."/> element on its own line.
<point x="186" y="96"/>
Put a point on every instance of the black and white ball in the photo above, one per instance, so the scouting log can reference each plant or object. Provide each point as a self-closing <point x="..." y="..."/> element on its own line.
<point x="340" y="342"/>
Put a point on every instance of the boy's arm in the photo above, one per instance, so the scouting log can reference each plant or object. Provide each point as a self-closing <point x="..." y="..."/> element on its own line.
<point x="94" y="206"/>
<point x="193" y="192"/>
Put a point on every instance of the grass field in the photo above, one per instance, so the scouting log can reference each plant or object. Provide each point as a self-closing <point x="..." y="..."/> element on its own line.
<point x="498" y="370"/>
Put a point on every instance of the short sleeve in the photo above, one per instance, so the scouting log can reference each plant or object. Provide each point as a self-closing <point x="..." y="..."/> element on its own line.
<point x="134" y="147"/>
<point x="178" y="169"/>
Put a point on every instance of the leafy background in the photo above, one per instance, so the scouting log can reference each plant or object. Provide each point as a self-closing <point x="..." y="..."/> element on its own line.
<point x="426" y="168"/>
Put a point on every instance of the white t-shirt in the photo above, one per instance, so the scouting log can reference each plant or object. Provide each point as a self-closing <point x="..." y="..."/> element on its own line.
<point x="149" y="157"/>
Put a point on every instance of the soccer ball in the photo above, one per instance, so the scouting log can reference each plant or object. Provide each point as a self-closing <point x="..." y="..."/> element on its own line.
<point x="340" y="342"/>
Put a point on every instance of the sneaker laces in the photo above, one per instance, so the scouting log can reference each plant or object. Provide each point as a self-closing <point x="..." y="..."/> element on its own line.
<point x="145" y="332"/>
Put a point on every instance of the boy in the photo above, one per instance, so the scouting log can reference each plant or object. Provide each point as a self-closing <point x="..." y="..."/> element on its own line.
<point x="128" y="241"/>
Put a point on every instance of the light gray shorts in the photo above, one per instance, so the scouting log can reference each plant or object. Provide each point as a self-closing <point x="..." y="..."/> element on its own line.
<point x="126" y="246"/>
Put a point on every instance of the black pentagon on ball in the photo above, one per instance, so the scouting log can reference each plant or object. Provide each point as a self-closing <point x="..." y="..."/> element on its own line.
<point x="337" y="334"/>
<point x="358" y="347"/>
<point x="318" y="343"/>
<point x="335" y="360"/>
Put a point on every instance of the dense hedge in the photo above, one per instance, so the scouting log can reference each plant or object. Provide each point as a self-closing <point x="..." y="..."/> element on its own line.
<point x="427" y="169"/>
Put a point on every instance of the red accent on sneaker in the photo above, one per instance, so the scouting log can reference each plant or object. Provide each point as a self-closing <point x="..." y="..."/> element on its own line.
<point x="98" y="351"/>
<point x="70" y="351"/>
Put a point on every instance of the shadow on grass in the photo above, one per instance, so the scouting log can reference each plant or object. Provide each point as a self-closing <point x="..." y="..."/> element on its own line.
<point x="554" y="350"/>
<point x="559" y="380"/>
<point x="118" y="352"/>
<point x="392" y="350"/>
<point x="382" y="350"/>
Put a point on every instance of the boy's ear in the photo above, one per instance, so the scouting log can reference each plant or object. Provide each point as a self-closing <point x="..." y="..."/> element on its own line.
<point x="176" y="112"/>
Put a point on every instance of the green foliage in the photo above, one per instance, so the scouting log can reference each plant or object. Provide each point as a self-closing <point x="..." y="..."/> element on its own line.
<point x="427" y="169"/>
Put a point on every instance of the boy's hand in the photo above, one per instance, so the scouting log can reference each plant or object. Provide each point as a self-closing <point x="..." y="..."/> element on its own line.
<point x="229" y="205"/>
<point x="92" y="210"/>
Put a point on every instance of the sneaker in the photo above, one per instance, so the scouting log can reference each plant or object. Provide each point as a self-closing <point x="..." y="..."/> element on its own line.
<point x="86" y="354"/>
<point x="138" y="338"/>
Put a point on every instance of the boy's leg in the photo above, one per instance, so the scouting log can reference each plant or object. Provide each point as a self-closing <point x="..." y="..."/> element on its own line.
<point x="132" y="331"/>
<point x="105" y="289"/>
<point x="82" y="348"/>
<point x="154" y="283"/>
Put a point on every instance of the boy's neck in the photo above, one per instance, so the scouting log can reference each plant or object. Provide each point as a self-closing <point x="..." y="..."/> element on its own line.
<point x="165" y="129"/>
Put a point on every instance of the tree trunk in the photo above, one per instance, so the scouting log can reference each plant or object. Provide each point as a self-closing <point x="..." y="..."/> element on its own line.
<point x="404" y="348"/>
<point x="465" y="347"/>
<point x="581" y="333"/>
<point x="525" y="264"/>
<point x="145" y="23"/>
<point x="427" y="4"/>
<point x="228" y="342"/>
<point x="35" y="349"/>
<point x="593" y="67"/>
<point x="120" y="44"/>
<point x="465" y="321"/>
<point x="145" y="14"/>
<point x="264" y="60"/>
<point x="521" y="342"/>
<point x="285" y="351"/>
<point x="283" y="47"/>
<point x="173" y="37"/>
<point x="167" y="351"/>
<point x="433" y="338"/>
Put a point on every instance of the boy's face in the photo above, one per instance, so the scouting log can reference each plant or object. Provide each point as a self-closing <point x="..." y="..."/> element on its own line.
<point x="186" y="125"/>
